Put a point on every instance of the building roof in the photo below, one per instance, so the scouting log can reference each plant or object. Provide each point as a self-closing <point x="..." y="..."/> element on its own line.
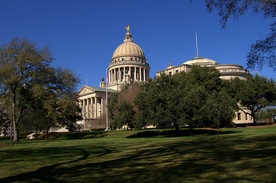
<point x="92" y="89"/>
<point x="198" y="60"/>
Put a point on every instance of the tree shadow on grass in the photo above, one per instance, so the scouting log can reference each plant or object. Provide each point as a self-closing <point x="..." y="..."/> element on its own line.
<point x="75" y="135"/>
<point x="45" y="174"/>
<point x="179" y="133"/>
<point x="204" y="160"/>
<point x="227" y="159"/>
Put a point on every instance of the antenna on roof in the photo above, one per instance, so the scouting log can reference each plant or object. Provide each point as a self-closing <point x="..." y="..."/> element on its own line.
<point x="196" y="44"/>
<point x="86" y="80"/>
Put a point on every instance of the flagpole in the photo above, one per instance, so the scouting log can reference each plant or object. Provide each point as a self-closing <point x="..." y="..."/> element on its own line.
<point x="196" y="44"/>
<point x="106" y="101"/>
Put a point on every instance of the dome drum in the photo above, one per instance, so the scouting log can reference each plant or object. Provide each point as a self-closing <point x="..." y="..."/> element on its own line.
<point x="125" y="74"/>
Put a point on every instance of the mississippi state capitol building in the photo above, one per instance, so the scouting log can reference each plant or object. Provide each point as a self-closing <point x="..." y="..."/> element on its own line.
<point x="128" y="64"/>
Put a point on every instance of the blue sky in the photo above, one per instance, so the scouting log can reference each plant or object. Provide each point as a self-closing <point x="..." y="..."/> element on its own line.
<point x="83" y="34"/>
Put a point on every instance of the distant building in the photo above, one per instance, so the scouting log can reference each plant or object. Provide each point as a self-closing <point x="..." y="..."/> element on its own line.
<point x="227" y="71"/>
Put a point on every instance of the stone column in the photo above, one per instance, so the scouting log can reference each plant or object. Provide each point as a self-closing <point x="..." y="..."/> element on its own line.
<point x="128" y="70"/>
<point x="117" y="75"/>
<point x="99" y="107"/>
<point x="102" y="106"/>
<point x="137" y="73"/>
<point x="83" y="107"/>
<point x="96" y="107"/>
<point x="80" y="104"/>
<point x="109" y="77"/>
<point x="88" y="106"/>
<point x="92" y="107"/>
<point x="112" y="75"/>
<point x="140" y="74"/>
<point x="144" y="74"/>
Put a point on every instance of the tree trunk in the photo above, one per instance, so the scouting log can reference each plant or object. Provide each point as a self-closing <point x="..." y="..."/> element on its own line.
<point x="176" y="126"/>
<point x="36" y="133"/>
<point x="15" y="131"/>
<point x="254" y="119"/>
<point x="47" y="133"/>
<point x="218" y="129"/>
<point x="15" y="134"/>
<point x="14" y="119"/>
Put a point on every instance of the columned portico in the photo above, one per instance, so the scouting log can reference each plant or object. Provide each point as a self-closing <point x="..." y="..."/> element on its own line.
<point x="92" y="107"/>
<point x="92" y="101"/>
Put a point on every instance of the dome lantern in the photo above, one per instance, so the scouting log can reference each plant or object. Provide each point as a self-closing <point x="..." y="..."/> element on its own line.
<point x="128" y="36"/>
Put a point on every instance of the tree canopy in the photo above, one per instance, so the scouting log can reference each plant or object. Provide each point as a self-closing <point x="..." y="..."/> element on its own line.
<point x="184" y="99"/>
<point x="255" y="93"/>
<point x="263" y="50"/>
<point x="28" y="82"/>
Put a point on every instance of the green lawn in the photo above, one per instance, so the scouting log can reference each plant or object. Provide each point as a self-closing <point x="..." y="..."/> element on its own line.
<point x="237" y="155"/>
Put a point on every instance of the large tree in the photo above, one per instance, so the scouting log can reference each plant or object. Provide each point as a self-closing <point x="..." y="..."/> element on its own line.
<point x="219" y="110"/>
<point x="255" y="93"/>
<point x="157" y="102"/>
<point x="20" y="63"/>
<point x="181" y="99"/>
<point x="28" y="82"/>
<point x="121" y="107"/>
<point x="263" y="50"/>
<point x="54" y="98"/>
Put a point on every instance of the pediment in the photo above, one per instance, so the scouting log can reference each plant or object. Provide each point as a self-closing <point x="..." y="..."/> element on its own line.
<point x="85" y="90"/>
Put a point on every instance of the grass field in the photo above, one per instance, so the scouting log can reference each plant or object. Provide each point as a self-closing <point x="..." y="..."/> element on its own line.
<point x="237" y="155"/>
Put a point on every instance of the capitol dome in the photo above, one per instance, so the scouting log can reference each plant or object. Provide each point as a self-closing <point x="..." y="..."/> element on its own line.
<point x="128" y="64"/>
<point x="198" y="60"/>
<point x="128" y="49"/>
